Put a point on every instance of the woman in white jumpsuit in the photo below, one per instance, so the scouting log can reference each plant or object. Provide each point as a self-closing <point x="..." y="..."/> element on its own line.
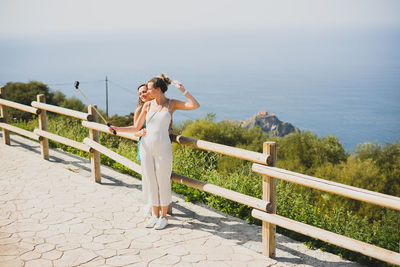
<point x="144" y="96"/>
<point x="155" y="150"/>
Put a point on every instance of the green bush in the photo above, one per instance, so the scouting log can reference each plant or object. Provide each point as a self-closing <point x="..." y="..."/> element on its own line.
<point x="227" y="133"/>
<point x="304" y="152"/>
<point x="387" y="160"/>
<point x="25" y="93"/>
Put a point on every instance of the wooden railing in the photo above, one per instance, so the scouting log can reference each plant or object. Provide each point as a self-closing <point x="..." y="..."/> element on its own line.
<point x="263" y="163"/>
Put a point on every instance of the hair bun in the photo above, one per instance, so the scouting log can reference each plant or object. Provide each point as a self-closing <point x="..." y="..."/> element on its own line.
<point x="165" y="78"/>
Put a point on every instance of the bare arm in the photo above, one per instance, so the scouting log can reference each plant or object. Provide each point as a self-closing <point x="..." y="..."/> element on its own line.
<point x="190" y="104"/>
<point x="137" y="114"/>
<point x="135" y="128"/>
<point x="142" y="117"/>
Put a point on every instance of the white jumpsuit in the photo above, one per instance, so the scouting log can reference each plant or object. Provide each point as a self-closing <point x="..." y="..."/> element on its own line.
<point x="156" y="159"/>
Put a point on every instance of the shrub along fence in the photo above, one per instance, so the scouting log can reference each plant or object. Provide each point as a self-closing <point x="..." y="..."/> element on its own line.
<point x="263" y="163"/>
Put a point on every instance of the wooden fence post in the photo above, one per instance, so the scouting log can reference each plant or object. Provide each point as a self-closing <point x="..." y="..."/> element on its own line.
<point x="4" y="115"/>
<point x="42" y="117"/>
<point x="95" y="155"/>
<point x="269" y="194"/>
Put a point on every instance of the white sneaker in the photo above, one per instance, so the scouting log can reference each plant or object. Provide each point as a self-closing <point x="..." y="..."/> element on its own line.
<point x="147" y="210"/>
<point x="161" y="223"/>
<point x="151" y="222"/>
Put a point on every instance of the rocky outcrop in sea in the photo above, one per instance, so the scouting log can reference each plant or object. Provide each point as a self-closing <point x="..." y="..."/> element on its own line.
<point x="270" y="124"/>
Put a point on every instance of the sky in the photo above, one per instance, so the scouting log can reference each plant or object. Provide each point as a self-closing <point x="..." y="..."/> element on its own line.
<point x="19" y="18"/>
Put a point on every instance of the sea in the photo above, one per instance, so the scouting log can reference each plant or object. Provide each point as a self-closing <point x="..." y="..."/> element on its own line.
<point x="340" y="82"/>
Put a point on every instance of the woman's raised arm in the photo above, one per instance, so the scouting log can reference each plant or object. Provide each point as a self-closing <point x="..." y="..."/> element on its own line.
<point x="190" y="104"/>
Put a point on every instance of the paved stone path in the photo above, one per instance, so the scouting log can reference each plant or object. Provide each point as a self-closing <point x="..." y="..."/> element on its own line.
<point x="53" y="214"/>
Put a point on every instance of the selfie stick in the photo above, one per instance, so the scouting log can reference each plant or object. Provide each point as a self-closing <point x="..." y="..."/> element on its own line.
<point x="87" y="100"/>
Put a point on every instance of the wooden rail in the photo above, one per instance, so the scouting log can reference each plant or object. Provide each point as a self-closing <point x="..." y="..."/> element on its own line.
<point x="63" y="140"/>
<point x="112" y="155"/>
<point x="19" y="106"/>
<point x="331" y="187"/>
<point x="222" y="192"/>
<point x="19" y="131"/>
<point x="264" y="209"/>
<point x="63" y="111"/>
<point x="222" y="149"/>
<point x="332" y="238"/>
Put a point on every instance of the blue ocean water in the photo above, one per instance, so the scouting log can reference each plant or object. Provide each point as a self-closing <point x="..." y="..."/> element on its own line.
<point x="344" y="83"/>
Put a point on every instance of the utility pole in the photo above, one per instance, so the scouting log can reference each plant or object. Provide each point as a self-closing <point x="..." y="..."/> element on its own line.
<point x="106" y="96"/>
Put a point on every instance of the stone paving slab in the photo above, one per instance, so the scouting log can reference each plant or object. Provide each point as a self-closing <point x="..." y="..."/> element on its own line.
<point x="53" y="214"/>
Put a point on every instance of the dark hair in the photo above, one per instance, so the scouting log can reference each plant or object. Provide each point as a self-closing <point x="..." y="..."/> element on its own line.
<point x="161" y="82"/>
<point x="140" y="102"/>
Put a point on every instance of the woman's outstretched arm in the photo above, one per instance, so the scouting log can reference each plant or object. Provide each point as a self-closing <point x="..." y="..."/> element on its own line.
<point x="136" y="128"/>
